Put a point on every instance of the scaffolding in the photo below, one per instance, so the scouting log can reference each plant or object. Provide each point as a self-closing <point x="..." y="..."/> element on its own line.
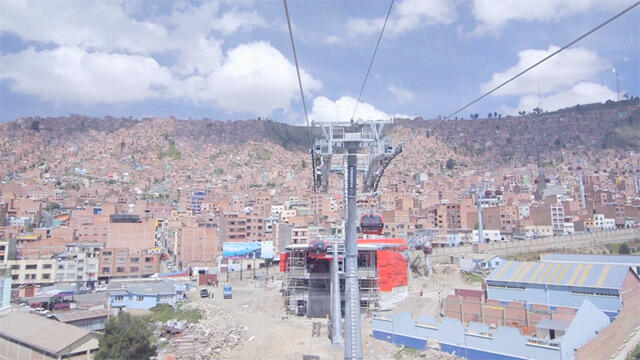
<point x="301" y="281"/>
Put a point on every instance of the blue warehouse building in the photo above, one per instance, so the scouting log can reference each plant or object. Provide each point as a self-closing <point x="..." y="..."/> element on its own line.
<point x="564" y="284"/>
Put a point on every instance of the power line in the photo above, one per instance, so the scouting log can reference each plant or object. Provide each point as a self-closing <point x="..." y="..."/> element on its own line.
<point x="372" y="58"/>
<point x="546" y="58"/>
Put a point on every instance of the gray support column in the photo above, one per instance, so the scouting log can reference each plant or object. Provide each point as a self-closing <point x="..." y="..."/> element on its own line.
<point x="353" y="344"/>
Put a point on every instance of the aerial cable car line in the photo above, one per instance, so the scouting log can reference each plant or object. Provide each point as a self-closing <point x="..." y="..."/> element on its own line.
<point x="372" y="59"/>
<point x="542" y="60"/>
<point x="304" y="105"/>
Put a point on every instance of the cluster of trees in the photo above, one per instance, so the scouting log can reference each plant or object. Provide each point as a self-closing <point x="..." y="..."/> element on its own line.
<point x="126" y="338"/>
<point x="493" y="115"/>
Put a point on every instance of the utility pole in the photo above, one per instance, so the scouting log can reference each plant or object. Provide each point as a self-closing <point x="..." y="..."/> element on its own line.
<point x="480" y="224"/>
<point x="336" y="298"/>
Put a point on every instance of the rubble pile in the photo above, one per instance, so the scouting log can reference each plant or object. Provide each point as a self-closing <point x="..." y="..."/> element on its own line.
<point x="214" y="336"/>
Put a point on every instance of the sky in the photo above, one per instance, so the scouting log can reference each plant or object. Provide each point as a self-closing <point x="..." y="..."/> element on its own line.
<point x="233" y="60"/>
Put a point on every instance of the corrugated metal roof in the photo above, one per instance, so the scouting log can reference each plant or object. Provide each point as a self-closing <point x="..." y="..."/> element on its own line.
<point x="71" y="316"/>
<point x="603" y="259"/>
<point x="47" y="335"/>
<point x="570" y="274"/>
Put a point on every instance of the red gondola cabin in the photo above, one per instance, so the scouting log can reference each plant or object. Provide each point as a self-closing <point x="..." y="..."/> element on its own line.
<point x="372" y="224"/>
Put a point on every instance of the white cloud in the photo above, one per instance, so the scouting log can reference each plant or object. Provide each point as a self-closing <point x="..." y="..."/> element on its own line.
<point x="254" y="77"/>
<point x="98" y="25"/>
<point x="581" y="93"/>
<point x="331" y="39"/>
<point x="408" y="15"/>
<point x="402" y="96"/>
<point x="72" y="74"/>
<point x="493" y="14"/>
<point x="341" y="110"/>
<point x="102" y="55"/>
<point x="234" y="20"/>
<point x="563" y="70"/>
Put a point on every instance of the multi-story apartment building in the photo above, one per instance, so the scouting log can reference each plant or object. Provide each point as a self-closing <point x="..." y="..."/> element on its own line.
<point x="255" y="227"/>
<point x="197" y="244"/>
<point x="136" y="236"/>
<point x="234" y="227"/>
<point x="122" y="262"/>
<point x="299" y="235"/>
<point x="32" y="271"/>
<point x="4" y="253"/>
<point x="79" y="264"/>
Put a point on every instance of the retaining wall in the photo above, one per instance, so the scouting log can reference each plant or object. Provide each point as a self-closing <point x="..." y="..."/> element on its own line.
<point x="444" y="255"/>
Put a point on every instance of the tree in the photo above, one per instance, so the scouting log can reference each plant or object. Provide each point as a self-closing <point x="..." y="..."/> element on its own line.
<point x="450" y="164"/>
<point x="35" y="126"/>
<point x="624" y="249"/>
<point x="127" y="338"/>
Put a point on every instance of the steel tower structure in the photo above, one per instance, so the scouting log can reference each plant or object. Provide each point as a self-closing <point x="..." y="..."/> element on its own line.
<point x="351" y="149"/>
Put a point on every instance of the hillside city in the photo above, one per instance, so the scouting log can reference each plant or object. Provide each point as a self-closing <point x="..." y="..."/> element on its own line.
<point x="126" y="204"/>
<point x="320" y="180"/>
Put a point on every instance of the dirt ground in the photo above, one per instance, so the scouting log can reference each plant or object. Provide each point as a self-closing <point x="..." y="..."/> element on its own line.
<point x="273" y="334"/>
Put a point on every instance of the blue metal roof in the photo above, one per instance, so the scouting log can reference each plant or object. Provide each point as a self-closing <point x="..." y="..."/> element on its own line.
<point x="568" y="274"/>
<point x="600" y="259"/>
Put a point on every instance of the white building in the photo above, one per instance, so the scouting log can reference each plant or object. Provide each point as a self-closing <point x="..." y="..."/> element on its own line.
<point x="602" y="223"/>
<point x="488" y="235"/>
<point x="557" y="219"/>
<point x="523" y="211"/>
<point x="276" y="210"/>
<point x="79" y="263"/>
<point x="569" y="228"/>
<point x="32" y="271"/>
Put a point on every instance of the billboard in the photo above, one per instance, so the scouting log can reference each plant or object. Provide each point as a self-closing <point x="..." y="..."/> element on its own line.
<point x="247" y="250"/>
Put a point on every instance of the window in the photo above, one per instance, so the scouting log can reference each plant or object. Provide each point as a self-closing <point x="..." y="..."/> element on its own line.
<point x="119" y="298"/>
<point x="106" y="253"/>
<point x="31" y="267"/>
<point x="148" y="259"/>
<point x="14" y="277"/>
<point x="106" y="270"/>
<point x="133" y="269"/>
<point x="46" y="266"/>
<point x="134" y="260"/>
<point x="46" y="276"/>
<point x="139" y="298"/>
<point x="120" y="269"/>
<point x="15" y="267"/>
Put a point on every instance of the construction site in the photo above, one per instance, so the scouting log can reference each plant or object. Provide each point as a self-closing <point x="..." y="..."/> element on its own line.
<point x="382" y="275"/>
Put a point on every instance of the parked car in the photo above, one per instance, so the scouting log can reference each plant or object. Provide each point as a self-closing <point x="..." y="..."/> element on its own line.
<point x="101" y="288"/>
<point x="226" y="292"/>
<point x="204" y="293"/>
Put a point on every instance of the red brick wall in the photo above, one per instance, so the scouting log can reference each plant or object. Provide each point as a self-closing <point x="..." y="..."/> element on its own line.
<point x="630" y="286"/>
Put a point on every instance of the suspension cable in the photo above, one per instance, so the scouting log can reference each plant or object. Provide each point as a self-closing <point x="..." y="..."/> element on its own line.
<point x="372" y="58"/>
<point x="545" y="58"/>
<point x="306" y="115"/>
